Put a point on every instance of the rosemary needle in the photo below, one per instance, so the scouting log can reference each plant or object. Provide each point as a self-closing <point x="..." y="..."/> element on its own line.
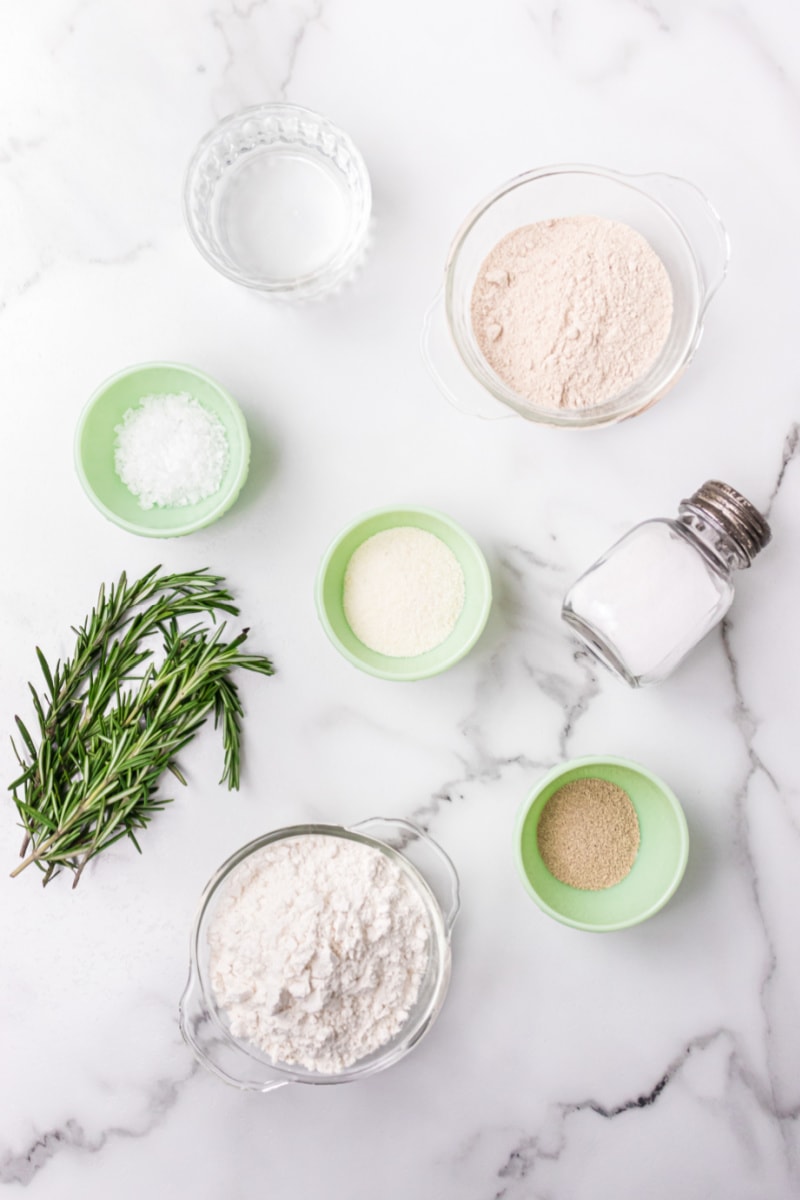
<point x="113" y="717"/>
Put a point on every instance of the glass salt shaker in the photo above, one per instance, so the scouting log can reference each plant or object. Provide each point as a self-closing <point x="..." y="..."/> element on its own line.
<point x="651" y="598"/>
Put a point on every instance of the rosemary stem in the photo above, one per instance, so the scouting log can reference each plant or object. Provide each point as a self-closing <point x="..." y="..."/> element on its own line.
<point x="104" y="742"/>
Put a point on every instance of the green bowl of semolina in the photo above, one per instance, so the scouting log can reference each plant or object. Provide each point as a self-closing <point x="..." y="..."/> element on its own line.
<point x="618" y="878"/>
<point x="331" y="588"/>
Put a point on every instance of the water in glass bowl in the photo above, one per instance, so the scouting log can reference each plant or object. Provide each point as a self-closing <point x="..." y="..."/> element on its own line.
<point x="283" y="215"/>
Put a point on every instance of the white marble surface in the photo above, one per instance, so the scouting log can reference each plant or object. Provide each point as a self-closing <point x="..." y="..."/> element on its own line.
<point x="660" y="1062"/>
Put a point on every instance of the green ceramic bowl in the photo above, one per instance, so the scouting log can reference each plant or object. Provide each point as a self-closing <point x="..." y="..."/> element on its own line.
<point x="659" y="865"/>
<point x="94" y="448"/>
<point x="470" y="624"/>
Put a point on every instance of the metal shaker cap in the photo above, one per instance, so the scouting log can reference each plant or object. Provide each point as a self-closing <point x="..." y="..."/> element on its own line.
<point x="731" y="512"/>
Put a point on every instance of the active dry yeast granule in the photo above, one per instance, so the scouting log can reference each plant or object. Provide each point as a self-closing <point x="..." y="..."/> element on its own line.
<point x="318" y="948"/>
<point x="571" y="312"/>
<point x="403" y="592"/>
<point x="588" y="834"/>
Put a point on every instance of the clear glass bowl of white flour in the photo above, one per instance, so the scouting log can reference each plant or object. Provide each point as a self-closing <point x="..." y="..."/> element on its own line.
<point x="431" y="883"/>
<point x="277" y="198"/>
<point x="676" y="221"/>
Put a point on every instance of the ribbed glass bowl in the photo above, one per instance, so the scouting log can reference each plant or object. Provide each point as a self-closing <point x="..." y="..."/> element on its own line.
<point x="278" y="199"/>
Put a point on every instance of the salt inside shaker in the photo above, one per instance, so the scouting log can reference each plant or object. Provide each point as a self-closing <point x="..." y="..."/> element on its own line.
<point x="652" y="597"/>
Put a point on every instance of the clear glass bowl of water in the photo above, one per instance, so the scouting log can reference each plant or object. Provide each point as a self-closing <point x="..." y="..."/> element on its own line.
<point x="278" y="199"/>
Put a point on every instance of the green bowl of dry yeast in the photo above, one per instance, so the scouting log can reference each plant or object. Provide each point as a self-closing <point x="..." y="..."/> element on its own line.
<point x="601" y="843"/>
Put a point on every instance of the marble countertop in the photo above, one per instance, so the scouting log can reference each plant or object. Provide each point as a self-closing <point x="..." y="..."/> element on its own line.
<point x="663" y="1061"/>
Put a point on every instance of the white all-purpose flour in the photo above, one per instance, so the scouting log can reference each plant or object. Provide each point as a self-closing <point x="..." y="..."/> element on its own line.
<point x="318" y="948"/>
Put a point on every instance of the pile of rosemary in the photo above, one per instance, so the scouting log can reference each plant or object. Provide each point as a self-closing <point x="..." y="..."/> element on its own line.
<point x="115" y="715"/>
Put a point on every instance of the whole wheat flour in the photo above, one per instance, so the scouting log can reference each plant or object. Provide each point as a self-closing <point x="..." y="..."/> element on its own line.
<point x="571" y="312"/>
<point x="317" y="950"/>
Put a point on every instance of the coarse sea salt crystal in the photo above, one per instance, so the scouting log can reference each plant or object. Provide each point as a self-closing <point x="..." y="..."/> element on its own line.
<point x="170" y="451"/>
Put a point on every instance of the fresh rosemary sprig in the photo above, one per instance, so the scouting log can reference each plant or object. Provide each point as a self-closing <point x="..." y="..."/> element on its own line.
<point x="113" y="716"/>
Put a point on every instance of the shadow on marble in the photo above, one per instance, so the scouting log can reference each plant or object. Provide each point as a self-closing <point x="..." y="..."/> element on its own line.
<point x="264" y="459"/>
<point x="674" y="923"/>
<point x="696" y="881"/>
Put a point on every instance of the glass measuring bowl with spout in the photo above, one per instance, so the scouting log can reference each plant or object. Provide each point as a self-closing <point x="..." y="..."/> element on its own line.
<point x="204" y="1025"/>
<point x="671" y="214"/>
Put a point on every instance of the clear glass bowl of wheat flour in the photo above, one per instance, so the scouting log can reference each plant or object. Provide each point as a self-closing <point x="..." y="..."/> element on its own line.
<point x="430" y="876"/>
<point x="673" y="216"/>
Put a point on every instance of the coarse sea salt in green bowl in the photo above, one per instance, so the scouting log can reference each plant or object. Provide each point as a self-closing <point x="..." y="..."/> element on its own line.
<point x="329" y="594"/>
<point x="95" y="439"/>
<point x="660" y="861"/>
